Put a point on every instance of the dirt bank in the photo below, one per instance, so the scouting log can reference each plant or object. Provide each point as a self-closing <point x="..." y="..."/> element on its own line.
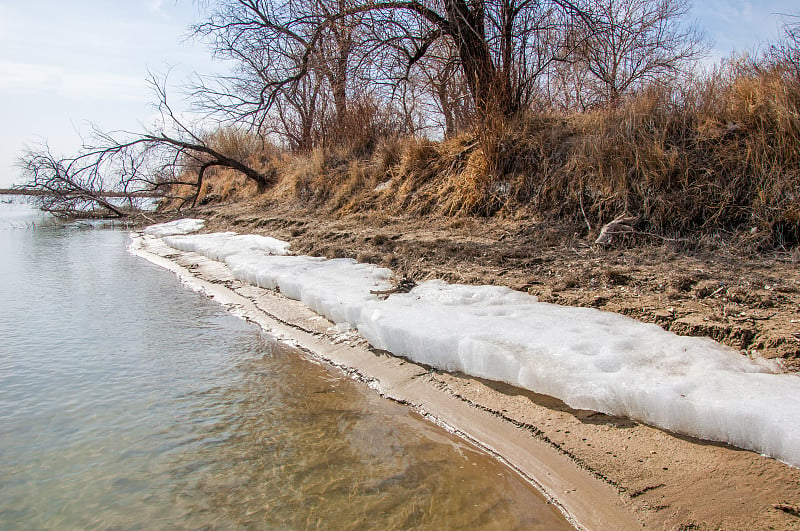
<point x="665" y="481"/>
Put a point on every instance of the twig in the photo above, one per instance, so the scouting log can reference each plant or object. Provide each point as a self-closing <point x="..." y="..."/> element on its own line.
<point x="753" y="318"/>
<point x="717" y="291"/>
<point x="405" y="285"/>
<point x="580" y="201"/>
<point x="659" y="236"/>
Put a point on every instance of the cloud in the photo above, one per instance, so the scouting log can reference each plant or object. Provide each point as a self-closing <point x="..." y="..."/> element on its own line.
<point x="735" y="12"/>
<point x="18" y="77"/>
<point x="156" y="7"/>
<point x="739" y="25"/>
<point x="5" y="17"/>
<point x="103" y="86"/>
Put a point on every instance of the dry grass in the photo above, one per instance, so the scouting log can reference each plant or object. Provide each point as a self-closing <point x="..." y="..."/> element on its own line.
<point x="719" y="157"/>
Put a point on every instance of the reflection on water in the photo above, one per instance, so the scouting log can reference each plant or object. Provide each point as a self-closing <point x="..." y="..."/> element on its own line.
<point x="127" y="401"/>
<point x="17" y="213"/>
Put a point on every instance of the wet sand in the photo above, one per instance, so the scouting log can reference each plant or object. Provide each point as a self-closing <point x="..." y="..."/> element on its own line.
<point x="603" y="472"/>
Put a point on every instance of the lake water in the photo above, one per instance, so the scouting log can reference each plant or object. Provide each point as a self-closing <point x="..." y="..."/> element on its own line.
<point x="128" y="401"/>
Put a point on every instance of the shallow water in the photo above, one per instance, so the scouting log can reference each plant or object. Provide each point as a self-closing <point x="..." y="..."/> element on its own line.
<point x="128" y="401"/>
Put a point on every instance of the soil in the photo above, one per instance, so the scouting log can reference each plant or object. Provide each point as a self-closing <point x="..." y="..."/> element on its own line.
<point x="666" y="480"/>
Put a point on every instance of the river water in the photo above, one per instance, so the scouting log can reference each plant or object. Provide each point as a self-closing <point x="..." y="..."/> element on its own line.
<point x="129" y="401"/>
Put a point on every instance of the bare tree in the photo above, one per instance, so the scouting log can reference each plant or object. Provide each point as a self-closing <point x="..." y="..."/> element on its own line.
<point x="786" y="52"/>
<point x="630" y="44"/>
<point x="127" y="165"/>
<point x="445" y="92"/>
<point x="335" y="52"/>
<point x="64" y="190"/>
<point x="299" y="114"/>
<point x="288" y="65"/>
<point x="501" y="47"/>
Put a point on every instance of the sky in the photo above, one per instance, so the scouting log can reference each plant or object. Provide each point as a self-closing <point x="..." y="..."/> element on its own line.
<point x="65" y="65"/>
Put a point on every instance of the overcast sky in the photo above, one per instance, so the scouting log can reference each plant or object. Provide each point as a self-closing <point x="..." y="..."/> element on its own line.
<point x="64" y="64"/>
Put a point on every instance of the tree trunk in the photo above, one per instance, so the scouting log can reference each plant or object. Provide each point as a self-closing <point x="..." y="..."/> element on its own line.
<point x="491" y="89"/>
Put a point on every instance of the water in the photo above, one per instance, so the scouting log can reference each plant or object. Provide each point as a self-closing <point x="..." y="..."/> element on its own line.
<point x="128" y="401"/>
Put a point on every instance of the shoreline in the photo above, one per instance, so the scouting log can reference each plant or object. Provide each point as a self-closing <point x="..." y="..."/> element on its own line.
<point x="584" y="500"/>
<point x="748" y="303"/>
<point x="605" y="472"/>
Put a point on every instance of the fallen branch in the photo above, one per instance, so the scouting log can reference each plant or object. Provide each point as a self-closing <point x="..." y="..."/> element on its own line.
<point x="404" y="286"/>
<point x="620" y="225"/>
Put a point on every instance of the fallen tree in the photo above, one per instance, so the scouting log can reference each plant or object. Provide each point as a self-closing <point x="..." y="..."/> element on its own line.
<point x="155" y="163"/>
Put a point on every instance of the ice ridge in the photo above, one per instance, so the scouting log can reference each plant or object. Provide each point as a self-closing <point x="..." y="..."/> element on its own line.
<point x="588" y="358"/>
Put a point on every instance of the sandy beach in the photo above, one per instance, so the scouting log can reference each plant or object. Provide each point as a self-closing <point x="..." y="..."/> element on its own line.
<point x="603" y="472"/>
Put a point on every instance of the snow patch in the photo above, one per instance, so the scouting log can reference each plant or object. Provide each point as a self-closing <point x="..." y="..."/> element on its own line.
<point x="180" y="226"/>
<point x="588" y="358"/>
<point x="219" y="245"/>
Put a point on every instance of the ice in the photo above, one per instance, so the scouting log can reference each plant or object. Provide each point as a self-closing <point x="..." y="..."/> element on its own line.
<point x="588" y="358"/>
<point x="219" y="245"/>
<point x="180" y="226"/>
<point x="338" y="289"/>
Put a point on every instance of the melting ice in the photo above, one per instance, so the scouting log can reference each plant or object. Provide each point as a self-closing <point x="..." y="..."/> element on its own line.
<point x="588" y="358"/>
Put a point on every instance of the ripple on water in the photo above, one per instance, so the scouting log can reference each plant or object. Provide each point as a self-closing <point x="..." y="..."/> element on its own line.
<point x="128" y="401"/>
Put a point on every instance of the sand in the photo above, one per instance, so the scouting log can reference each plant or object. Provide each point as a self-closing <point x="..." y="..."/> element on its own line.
<point x="603" y="472"/>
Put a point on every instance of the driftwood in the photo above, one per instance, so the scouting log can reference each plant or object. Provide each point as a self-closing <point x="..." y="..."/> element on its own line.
<point x="404" y="286"/>
<point x="620" y="225"/>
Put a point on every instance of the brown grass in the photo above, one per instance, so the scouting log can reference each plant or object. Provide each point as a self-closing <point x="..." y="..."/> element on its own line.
<point x="719" y="157"/>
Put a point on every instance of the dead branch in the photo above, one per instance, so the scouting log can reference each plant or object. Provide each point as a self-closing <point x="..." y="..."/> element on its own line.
<point x="129" y="164"/>
<point x="620" y="225"/>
